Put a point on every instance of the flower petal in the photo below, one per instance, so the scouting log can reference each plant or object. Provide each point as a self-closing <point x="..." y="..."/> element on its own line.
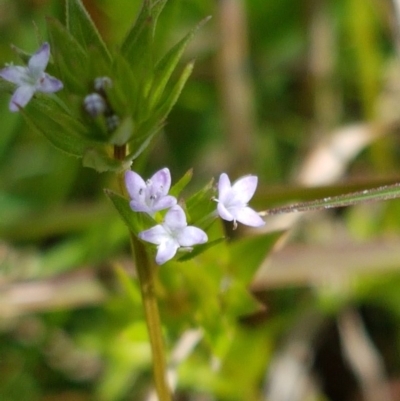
<point x="155" y="235"/>
<point x="138" y="206"/>
<point x="161" y="181"/>
<point x="164" y="203"/>
<point x="135" y="186"/>
<point x="244" y="188"/>
<point x="166" y="251"/>
<point x="38" y="62"/>
<point x="224" y="186"/>
<point x="249" y="217"/>
<point x="21" y="97"/>
<point x="223" y="212"/>
<point x="15" y="74"/>
<point x="191" y="236"/>
<point x="175" y="218"/>
<point x="49" y="84"/>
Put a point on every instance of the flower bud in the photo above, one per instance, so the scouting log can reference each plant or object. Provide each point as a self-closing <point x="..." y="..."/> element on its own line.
<point x="112" y="122"/>
<point x="102" y="83"/>
<point x="94" y="104"/>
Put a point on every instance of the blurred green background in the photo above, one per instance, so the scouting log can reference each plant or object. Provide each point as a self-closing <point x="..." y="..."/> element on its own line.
<point x="306" y="95"/>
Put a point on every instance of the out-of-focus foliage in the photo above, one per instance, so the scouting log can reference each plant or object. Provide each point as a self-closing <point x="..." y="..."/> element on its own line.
<point x="71" y="320"/>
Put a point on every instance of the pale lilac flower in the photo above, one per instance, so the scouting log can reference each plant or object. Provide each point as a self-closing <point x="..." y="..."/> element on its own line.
<point x="31" y="79"/>
<point x="173" y="234"/>
<point x="233" y="199"/>
<point x="152" y="195"/>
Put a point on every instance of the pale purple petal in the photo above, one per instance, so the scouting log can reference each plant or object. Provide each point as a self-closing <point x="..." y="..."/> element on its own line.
<point x="224" y="212"/>
<point x="15" y="74"/>
<point x="161" y="181"/>
<point x="244" y="188"/>
<point x="175" y="218"/>
<point x="38" y="62"/>
<point x="249" y="217"/>
<point x="164" y="203"/>
<point x="135" y="185"/>
<point x="21" y="97"/>
<point x="166" y="251"/>
<point x="191" y="236"/>
<point x="224" y="186"/>
<point x="155" y="235"/>
<point x="138" y="206"/>
<point x="49" y="84"/>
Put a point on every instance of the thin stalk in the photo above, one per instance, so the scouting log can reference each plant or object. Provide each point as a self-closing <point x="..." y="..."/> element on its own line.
<point x="145" y="272"/>
<point x="383" y="193"/>
<point x="146" y="275"/>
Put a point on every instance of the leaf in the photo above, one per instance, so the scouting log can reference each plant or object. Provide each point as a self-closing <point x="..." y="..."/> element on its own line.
<point x="200" y="204"/>
<point x="135" y="221"/>
<point x="170" y="101"/>
<point x="70" y="58"/>
<point x="181" y="184"/>
<point x="123" y="95"/>
<point x="82" y="28"/>
<point x="167" y="64"/>
<point x="143" y="30"/>
<point x="140" y="148"/>
<point x="58" y="127"/>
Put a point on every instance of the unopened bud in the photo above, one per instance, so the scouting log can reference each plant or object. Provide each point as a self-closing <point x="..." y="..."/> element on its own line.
<point x="112" y="122"/>
<point x="102" y="83"/>
<point x="94" y="104"/>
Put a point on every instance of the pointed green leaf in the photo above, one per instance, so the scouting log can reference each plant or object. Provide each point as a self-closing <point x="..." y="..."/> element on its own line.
<point x="170" y="101"/>
<point x="200" y="205"/>
<point x="70" y="59"/>
<point x="139" y="147"/>
<point x="135" y="221"/>
<point x="143" y="29"/>
<point x="167" y="64"/>
<point x="124" y="94"/>
<point x="58" y="127"/>
<point x="181" y="184"/>
<point x="82" y="28"/>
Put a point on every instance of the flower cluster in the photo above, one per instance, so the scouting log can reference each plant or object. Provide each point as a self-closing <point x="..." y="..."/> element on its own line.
<point x="174" y="233"/>
<point x="31" y="79"/>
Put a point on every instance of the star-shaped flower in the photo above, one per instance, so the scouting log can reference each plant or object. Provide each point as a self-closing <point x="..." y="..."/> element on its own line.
<point x="233" y="199"/>
<point x="172" y="234"/>
<point x="152" y="195"/>
<point x="31" y="79"/>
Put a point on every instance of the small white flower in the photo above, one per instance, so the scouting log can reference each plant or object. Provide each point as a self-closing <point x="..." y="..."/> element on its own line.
<point x="31" y="79"/>
<point x="172" y="234"/>
<point x="233" y="199"/>
<point x="152" y="195"/>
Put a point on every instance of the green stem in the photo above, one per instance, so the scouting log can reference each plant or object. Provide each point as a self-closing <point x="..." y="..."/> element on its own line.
<point x="145" y="271"/>
<point x="146" y="275"/>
